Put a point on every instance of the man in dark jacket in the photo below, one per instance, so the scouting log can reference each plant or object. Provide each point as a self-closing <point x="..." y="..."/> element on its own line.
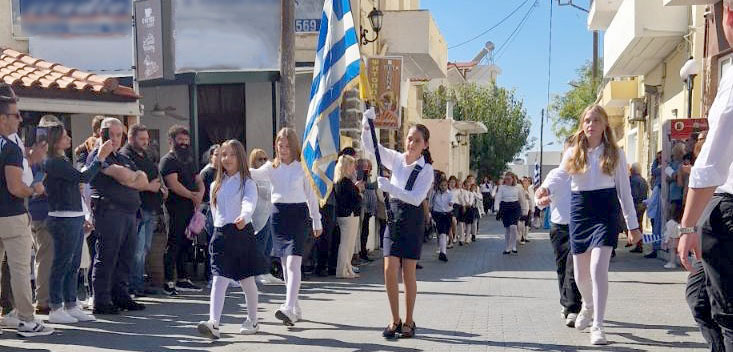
<point x="639" y="192"/>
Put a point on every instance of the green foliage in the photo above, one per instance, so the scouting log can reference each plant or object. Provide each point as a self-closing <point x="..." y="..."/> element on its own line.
<point x="499" y="109"/>
<point x="565" y="109"/>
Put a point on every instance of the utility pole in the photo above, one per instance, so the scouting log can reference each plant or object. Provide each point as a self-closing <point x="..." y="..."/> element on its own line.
<point x="542" y="134"/>
<point x="594" y="83"/>
<point x="287" y="64"/>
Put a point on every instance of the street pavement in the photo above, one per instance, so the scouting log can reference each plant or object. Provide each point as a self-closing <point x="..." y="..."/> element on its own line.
<point x="480" y="300"/>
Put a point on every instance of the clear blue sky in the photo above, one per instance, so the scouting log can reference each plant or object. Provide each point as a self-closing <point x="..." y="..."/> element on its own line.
<point x="524" y="60"/>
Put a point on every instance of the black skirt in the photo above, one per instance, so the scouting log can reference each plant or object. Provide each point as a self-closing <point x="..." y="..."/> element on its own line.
<point x="406" y="230"/>
<point x="442" y="222"/>
<point x="468" y="215"/>
<point x="234" y="253"/>
<point x="594" y="218"/>
<point x="457" y="212"/>
<point x="289" y="228"/>
<point x="510" y="213"/>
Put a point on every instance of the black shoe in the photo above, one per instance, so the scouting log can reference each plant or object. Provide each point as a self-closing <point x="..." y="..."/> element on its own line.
<point x="473" y="238"/>
<point x="408" y="331"/>
<point x="442" y="257"/>
<point x="514" y="251"/>
<point x="187" y="286"/>
<point x="526" y="240"/>
<point x="651" y="255"/>
<point x="613" y="253"/>
<point x="637" y="250"/>
<point x="390" y="332"/>
<point x="460" y="243"/>
<point x="170" y="290"/>
<point x="105" y="309"/>
<point x="505" y="252"/>
<point x="418" y="266"/>
<point x="129" y="305"/>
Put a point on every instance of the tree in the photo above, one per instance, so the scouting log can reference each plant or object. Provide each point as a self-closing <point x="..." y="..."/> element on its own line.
<point x="565" y="109"/>
<point x="499" y="109"/>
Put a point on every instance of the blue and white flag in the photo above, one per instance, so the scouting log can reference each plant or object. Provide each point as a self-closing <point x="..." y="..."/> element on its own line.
<point x="336" y="68"/>
<point x="537" y="178"/>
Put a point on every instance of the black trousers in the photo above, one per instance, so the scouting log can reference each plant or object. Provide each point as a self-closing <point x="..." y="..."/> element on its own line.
<point x="699" y="302"/>
<point x="717" y="273"/>
<point x="179" y="248"/>
<point x="488" y="202"/>
<point x="115" y="248"/>
<point x="364" y="234"/>
<point x="324" y="243"/>
<point x="570" y="297"/>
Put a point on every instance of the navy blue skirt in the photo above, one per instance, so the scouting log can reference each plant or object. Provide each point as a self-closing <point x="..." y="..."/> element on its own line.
<point x="442" y="222"/>
<point x="290" y="225"/>
<point x="594" y="219"/>
<point x="510" y="213"/>
<point x="406" y="231"/>
<point x="234" y="253"/>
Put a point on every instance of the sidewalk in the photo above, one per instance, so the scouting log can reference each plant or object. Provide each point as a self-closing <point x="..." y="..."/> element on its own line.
<point x="480" y="300"/>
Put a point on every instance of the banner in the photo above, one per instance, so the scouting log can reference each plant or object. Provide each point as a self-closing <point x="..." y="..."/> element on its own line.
<point x="683" y="129"/>
<point x="385" y="81"/>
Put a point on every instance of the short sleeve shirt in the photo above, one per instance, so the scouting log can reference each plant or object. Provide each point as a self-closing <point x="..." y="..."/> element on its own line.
<point x="10" y="155"/>
<point x="112" y="192"/>
<point x="151" y="201"/>
<point x="186" y="175"/>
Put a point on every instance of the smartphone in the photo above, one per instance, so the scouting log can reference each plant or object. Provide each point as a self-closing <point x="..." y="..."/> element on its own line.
<point x="105" y="134"/>
<point x="41" y="135"/>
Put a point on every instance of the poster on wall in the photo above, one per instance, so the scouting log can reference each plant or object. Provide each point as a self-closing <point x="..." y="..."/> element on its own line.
<point x="385" y="80"/>
<point x="308" y="15"/>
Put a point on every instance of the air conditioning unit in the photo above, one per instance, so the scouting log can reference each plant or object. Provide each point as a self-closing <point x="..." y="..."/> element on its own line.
<point x="637" y="110"/>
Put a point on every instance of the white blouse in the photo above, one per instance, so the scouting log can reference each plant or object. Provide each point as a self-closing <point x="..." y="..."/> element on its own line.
<point x="401" y="171"/>
<point x="443" y="202"/>
<point x="456" y="195"/>
<point x="468" y="198"/>
<point x="594" y="179"/>
<point x="233" y="200"/>
<point x="289" y="185"/>
<point x="506" y="194"/>
<point x="557" y="183"/>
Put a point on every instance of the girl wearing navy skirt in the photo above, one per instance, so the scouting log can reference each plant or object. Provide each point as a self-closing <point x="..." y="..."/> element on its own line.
<point x="412" y="178"/>
<point x="455" y="192"/>
<point x="507" y="203"/>
<point x="295" y="206"/>
<point x="599" y="184"/>
<point x="468" y="215"/>
<point x="442" y="213"/>
<point x="233" y="247"/>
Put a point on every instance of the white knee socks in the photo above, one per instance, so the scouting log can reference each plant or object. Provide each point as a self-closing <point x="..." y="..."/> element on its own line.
<point x="291" y="273"/>
<point x="599" y="263"/>
<point x="581" y="264"/>
<point x="443" y="243"/>
<point x="219" y="287"/>
<point x="513" y="237"/>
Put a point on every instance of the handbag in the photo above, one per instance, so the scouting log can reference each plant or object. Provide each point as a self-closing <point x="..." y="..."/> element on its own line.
<point x="196" y="225"/>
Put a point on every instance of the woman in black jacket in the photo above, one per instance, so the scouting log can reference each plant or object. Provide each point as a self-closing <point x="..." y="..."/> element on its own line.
<point x="65" y="222"/>
<point x="348" y="208"/>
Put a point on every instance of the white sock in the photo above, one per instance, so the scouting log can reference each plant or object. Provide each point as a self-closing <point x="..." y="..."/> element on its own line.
<point x="513" y="237"/>
<point x="474" y="228"/>
<point x="507" y="238"/>
<point x="443" y="242"/>
<point x="249" y="286"/>
<point x="219" y="287"/>
<point x="581" y="265"/>
<point x="599" y="263"/>
<point x="292" y="285"/>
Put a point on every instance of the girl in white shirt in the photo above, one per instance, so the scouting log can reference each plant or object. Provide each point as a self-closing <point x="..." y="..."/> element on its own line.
<point x="442" y="213"/>
<point x="468" y="215"/>
<point x="508" y="204"/>
<point x="455" y="192"/>
<point x="525" y="222"/>
<point x="478" y="210"/>
<point x="293" y="199"/>
<point x="599" y="176"/>
<point x="233" y="247"/>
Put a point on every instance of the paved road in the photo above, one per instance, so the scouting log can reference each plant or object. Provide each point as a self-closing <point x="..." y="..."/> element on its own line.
<point x="479" y="301"/>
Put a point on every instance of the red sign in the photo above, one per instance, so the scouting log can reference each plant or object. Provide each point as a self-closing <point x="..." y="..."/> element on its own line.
<point x="683" y="129"/>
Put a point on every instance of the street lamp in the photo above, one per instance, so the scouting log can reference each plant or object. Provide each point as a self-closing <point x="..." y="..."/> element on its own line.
<point x="375" y="19"/>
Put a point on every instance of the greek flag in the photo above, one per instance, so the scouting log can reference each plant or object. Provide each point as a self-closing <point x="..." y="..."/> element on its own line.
<point x="537" y="178"/>
<point x="336" y="68"/>
<point x="651" y="238"/>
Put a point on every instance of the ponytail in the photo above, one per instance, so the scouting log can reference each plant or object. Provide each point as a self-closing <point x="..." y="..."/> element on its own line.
<point x="426" y="136"/>
<point x="426" y="155"/>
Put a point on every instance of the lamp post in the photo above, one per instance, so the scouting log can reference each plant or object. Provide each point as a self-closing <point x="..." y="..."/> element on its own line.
<point x="375" y="19"/>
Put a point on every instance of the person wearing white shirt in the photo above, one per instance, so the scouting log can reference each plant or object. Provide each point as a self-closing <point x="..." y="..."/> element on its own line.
<point x="557" y="184"/>
<point x="412" y="178"/>
<point x="508" y="204"/>
<point x="486" y="190"/>
<point x="455" y="191"/>
<point x="467" y="199"/>
<point x="293" y="199"/>
<point x="524" y="220"/>
<point x="233" y="247"/>
<point x="599" y="182"/>
<point x="442" y="209"/>
<point x="478" y="203"/>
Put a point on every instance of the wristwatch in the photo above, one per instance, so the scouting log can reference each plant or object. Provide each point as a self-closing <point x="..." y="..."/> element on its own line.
<point x="686" y="230"/>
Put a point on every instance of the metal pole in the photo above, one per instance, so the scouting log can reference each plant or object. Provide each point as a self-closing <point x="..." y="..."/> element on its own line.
<point x="287" y="63"/>
<point x="595" y="61"/>
<point x="542" y="146"/>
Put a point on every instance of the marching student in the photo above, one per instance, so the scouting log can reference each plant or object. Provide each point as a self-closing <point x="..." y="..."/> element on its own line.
<point x="455" y="192"/>
<point x="478" y="210"/>
<point x="599" y="182"/>
<point x="468" y="215"/>
<point x="442" y="208"/>
<point x="412" y="178"/>
<point x="233" y="247"/>
<point x="507" y="203"/>
<point x="294" y="205"/>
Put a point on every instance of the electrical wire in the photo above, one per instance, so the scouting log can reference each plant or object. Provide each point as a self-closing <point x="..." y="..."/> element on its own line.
<point x="514" y="34"/>
<point x="492" y="27"/>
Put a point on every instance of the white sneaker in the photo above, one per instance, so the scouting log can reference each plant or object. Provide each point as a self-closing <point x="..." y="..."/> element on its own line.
<point x="287" y="316"/>
<point x="298" y="313"/>
<point x="269" y="280"/>
<point x="597" y="336"/>
<point x="11" y="320"/>
<point x="89" y="303"/>
<point x="670" y="265"/>
<point x="77" y="313"/>
<point x="570" y="320"/>
<point x="60" y="316"/>
<point x="209" y="329"/>
<point x="584" y="319"/>
<point x="249" y="328"/>
<point x="33" y="328"/>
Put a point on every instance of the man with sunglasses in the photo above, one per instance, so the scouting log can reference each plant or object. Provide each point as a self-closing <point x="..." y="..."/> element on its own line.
<point x="16" y="239"/>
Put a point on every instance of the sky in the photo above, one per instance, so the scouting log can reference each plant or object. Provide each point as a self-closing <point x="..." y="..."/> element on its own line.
<point x="524" y="60"/>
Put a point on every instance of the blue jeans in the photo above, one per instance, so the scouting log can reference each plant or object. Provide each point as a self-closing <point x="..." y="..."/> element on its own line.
<point x="67" y="236"/>
<point x="264" y="240"/>
<point x="145" y="230"/>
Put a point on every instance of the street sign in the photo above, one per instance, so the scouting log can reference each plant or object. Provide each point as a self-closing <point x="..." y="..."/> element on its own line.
<point x="385" y="80"/>
<point x="153" y="40"/>
<point x="308" y="15"/>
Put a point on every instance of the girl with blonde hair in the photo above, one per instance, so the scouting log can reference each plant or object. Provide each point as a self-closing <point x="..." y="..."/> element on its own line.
<point x="348" y="208"/>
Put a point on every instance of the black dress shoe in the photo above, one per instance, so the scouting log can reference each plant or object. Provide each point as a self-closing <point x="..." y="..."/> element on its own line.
<point x="505" y="252"/>
<point x="418" y="266"/>
<point x="130" y="305"/>
<point x="105" y="309"/>
<point x="442" y="257"/>
<point x="651" y="255"/>
<point x="408" y="331"/>
<point x="390" y="332"/>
